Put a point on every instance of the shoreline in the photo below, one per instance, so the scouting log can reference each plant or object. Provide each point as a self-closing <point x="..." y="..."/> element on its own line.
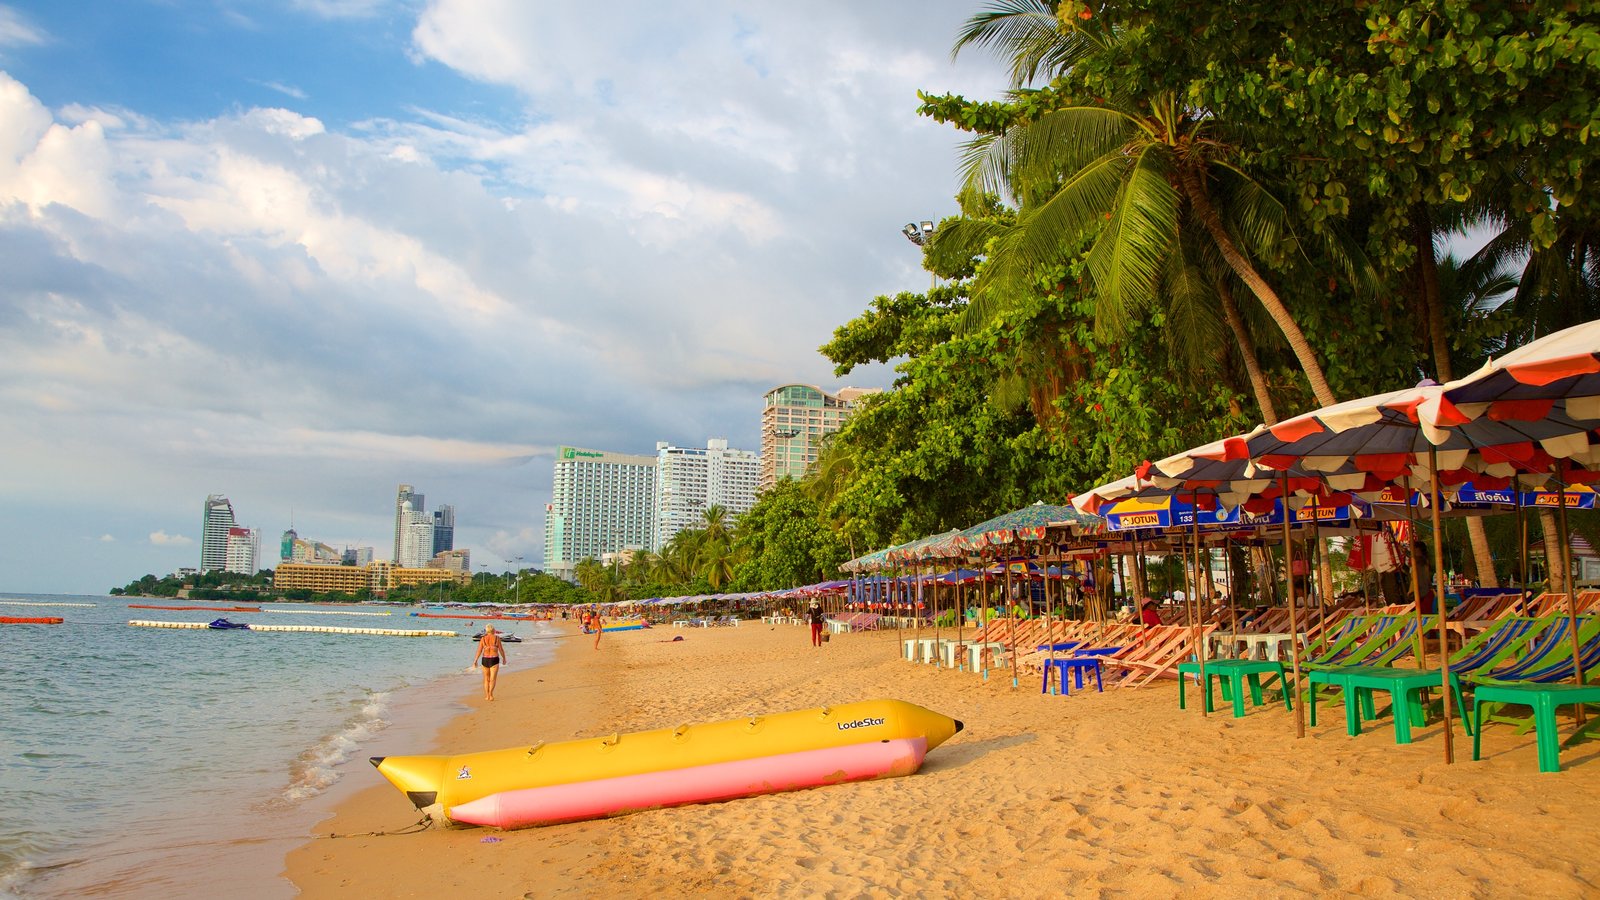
<point x="1040" y="796"/>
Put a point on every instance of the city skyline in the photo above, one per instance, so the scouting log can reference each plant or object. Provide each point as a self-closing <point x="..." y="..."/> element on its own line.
<point x="232" y="232"/>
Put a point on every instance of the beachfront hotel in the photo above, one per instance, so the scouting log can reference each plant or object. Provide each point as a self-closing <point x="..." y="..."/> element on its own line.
<point x="244" y="547"/>
<point x="600" y="502"/>
<point x="214" y="526"/>
<point x="691" y="480"/>
<point x="794" y="420"/>
<point x="378" y="577"/>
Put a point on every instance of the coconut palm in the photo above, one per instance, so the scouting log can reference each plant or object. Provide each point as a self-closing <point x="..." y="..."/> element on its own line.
<point x="1136" y="174"/>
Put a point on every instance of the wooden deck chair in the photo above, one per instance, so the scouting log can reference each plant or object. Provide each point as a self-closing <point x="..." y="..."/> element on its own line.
<point x="1159" y="657"/>
<point x="1546" y="604"/>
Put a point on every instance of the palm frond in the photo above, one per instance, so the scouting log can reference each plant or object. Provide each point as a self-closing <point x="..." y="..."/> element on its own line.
<point x="1027" y="33"/>
<point x="987" y="162"/>
<point x="1067" y="139"/>
<point x="1127" y="260"/>
<point x="1193" y="321"/>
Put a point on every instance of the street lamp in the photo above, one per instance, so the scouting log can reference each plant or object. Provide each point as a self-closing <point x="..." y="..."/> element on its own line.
<point x="518" y="561"/>
<point x="921" y="234"/>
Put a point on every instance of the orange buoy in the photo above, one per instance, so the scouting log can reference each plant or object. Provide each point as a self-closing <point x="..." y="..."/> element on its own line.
<point x="31" y="620"/>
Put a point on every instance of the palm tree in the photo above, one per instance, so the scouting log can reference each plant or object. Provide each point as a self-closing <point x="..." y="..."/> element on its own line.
<point x="1137" y="172"/>
<point x="1137" y="175"/>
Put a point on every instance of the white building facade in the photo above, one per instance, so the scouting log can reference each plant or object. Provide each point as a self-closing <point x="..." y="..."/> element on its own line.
<point x="214" y="526"/>
<point x="600" y="502"/>
<point x="690" y="480"/>
<point x="414" y="539"/>
<point x="243" y="548"/>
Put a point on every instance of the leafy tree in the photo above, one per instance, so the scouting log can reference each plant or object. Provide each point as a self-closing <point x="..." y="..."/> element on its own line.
<point x="785" y="541"/>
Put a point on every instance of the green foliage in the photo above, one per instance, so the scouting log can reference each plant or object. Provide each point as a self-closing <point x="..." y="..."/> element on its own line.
<point x="217" y="585"/>
<point x="785" y="542"/>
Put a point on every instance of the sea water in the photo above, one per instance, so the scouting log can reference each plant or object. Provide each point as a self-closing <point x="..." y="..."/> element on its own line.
<point x="160" y="762"/>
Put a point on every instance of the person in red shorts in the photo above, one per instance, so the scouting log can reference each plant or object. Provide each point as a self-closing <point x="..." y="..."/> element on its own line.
<point x="815" y="617"/>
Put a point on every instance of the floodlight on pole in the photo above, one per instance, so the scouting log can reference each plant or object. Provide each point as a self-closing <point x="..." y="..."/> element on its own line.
<point x="921" y="234"/>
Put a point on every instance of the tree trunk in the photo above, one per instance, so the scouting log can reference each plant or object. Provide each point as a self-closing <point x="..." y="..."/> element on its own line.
<point x="1444" y="369"/>
<point x="1557" y="573"/>
<point x="1247" y="352"/>
<point x="1258" y="285"/>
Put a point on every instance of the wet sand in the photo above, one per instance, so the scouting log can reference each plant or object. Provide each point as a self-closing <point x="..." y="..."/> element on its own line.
<point x="1108" y="794"/>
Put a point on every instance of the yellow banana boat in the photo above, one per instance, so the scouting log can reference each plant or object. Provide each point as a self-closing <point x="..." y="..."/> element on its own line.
<point x="572" y="780"/>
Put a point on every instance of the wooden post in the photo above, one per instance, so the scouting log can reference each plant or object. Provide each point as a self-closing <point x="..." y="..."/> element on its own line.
<point x="1294" y="626"/>
<point x="1438" y="592"/>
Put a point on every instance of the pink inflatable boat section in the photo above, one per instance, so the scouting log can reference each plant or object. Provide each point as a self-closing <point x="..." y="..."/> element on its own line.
<point x="698" y="784"/>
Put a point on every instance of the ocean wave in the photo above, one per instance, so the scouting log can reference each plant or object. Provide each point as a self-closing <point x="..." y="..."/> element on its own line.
<point x="313" y="771"/>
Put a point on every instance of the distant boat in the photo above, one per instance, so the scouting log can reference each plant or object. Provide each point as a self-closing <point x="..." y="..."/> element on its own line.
<point x="506" y="637"/>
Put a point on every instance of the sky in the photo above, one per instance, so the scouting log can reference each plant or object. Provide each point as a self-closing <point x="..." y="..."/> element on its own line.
<point x="298" y="252"/>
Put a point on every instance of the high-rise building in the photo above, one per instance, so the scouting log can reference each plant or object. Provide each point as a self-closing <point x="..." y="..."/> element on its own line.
<point x="794" y="420"/>
<point x="403" y="497"/>
<point x="600" y="502"/>
<point x="415" y="538"/>
<point x="357" y="556"/>
<point x="444" y="528"/>
<point x="690" y="481"/>
<point x="214" y="533"/>
<point x="243" y="548"/>
<point x="286" y="545"/>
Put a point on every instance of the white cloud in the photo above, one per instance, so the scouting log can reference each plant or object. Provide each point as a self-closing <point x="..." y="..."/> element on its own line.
<point x="108" y="539"/>
<point x="341" y="9"/>
<point x="677" y="209"/>
<point x="162" y="539"/>
<point x="285" y="89"/>
<point x="16" y="31"/>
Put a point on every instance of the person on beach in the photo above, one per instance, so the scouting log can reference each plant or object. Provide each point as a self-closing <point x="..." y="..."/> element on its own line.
<point x="1420" y="560"/>
<point x="491" y="652"/>
<point x="599" y="626"/>
<point x="815" y="616"/>
<point x="1148" y="617"/>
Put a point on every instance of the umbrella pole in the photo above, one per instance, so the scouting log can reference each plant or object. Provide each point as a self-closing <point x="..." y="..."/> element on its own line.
<point x="961" y="611"/>
<point x="1566" y="579"/>
<point x="916" y="605"/>
<point x="1016" y="624"/>
<point x="1316" y="566"/>
<point x="1049" y="636"/>
<point x="1194" y="594"/>
<point x="1438" y="592"/>
<point x="983" y="615"/>
<point x="936" y="626"/>
<point x="1416" y="590"/>
<point x="1522" y="547"/>
<point x="1294" y="627"/>
<point x="1233" y="602"/>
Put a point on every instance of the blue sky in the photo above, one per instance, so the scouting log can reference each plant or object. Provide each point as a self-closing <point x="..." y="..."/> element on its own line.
<point x="300" y="252"/>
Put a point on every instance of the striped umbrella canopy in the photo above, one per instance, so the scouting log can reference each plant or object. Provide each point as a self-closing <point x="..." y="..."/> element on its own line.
<point x="1028" y="524"/>
<point x="921" y="548"/>
<point x="1557" y="375"/>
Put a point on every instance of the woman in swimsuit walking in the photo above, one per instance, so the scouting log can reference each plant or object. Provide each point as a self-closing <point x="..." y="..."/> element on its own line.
<point x="491" y="651"/>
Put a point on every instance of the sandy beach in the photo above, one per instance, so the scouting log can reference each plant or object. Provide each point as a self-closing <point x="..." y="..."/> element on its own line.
<point x="1113" y="794"/>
